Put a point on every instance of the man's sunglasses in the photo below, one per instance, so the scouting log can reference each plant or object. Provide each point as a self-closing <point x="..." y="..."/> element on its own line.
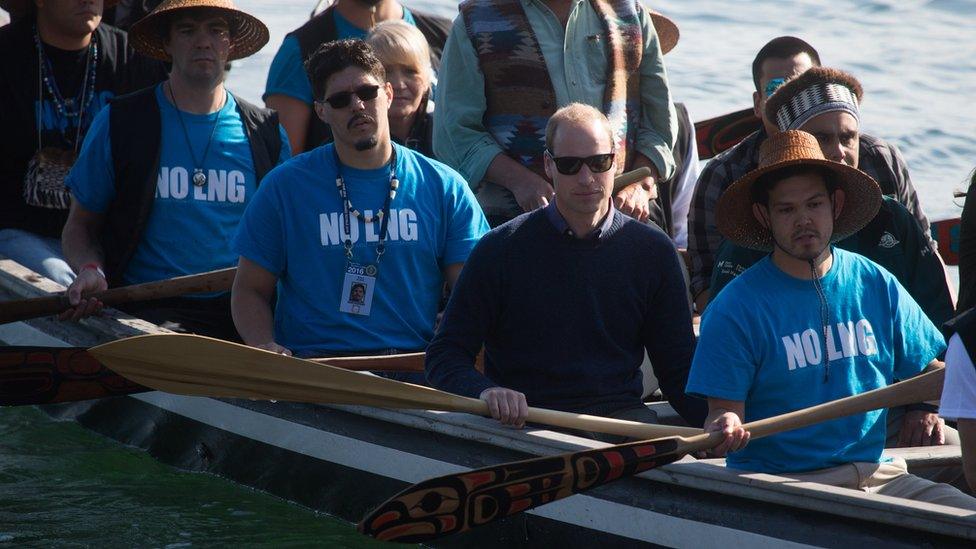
<point x="571" y="165"/>
<point x="341" y="100"/>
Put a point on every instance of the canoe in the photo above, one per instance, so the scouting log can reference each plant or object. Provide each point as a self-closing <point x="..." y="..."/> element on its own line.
<point x="344" y="460"/>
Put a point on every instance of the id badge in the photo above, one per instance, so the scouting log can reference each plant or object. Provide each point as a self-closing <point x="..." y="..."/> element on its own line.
<point x="357" y="289"/>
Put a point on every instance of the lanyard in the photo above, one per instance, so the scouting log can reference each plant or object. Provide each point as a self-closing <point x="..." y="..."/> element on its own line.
<point x="348" y="212"/>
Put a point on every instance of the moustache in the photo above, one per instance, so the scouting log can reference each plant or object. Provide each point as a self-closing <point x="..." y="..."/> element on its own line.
<point x="803" y="233"/>
<point x="359" y="117"/>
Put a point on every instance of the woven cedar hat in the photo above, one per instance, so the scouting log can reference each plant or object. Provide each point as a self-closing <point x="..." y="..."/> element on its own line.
<point x="247" y="33"/>
<point x="790" y="148"/>
<point x="667" y="30"/>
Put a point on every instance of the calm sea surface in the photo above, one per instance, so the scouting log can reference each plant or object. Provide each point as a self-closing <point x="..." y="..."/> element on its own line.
<point x="63" y="486"/>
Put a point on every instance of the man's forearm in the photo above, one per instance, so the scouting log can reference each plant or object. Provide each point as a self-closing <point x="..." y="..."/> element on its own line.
<point x="253" y="316"/>
<point x="80" y="246"/>
<point x="507" y="172"/>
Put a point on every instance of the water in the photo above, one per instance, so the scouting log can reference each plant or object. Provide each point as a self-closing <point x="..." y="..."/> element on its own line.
<point x="61" y="485"/>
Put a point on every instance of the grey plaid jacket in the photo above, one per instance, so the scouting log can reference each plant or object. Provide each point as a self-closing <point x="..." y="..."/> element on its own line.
<point x="878" y="158"/>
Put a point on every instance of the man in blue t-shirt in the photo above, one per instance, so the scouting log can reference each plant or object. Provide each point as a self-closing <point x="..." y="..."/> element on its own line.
<point x="359" y="236"/>
<point x="164" y="174"/>
<point x="810" y="324"/>
<point x="288" y="89"/>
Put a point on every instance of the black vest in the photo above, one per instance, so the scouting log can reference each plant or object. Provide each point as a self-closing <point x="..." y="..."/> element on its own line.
<point x="965" y="326"/>
<point x="135" y="129"/>
<point x="661" y="208"/>
<point x="322" y="28"/>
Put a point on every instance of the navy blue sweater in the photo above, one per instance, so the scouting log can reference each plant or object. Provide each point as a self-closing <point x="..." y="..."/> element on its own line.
<point x="566" y="320"/>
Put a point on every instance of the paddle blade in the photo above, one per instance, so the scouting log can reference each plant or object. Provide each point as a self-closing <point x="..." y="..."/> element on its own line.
<point x="203" y="366"/>
<point x="457" y="503"/>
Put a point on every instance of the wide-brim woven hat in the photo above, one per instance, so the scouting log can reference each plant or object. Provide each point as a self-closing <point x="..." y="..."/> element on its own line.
<point x="733" y="214"/>
<point x="667" y="30"/>
<point x="247" y="33"/>
<point x="20" y="6"/>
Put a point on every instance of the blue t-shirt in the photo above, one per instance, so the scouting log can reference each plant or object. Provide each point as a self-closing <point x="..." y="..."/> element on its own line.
<point x="287" y="74"/>
<point x="294" y="229"/>
<point x="190" y="228"/>
<point x="761" y="342"/>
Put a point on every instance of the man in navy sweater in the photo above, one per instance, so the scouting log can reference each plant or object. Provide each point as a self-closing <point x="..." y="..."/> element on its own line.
<point x="567" y="298"/>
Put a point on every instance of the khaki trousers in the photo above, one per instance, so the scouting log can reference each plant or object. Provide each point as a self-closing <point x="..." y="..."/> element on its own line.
<point x="887" y="479"/>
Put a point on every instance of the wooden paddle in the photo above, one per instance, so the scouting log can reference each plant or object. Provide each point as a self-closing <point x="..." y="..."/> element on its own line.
<point x="213" y="281"/>
<point x="203" y="366"/>
<point x="47" y="375"/>
<point x="456" y="503"/>
<point x="628" y="178"/>
<point x="720" y="133"/>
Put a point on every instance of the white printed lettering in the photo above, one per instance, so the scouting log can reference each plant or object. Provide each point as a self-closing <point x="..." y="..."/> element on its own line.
<point x="832" y="352"/>
<point x="236" y="188"/>
<point x="794" y="352"/>
<point x="403" y="225"/>
<point x="408" y="225"/>
<point x="811" y="345"/>
<point x="329" y="229"/>
<point x="217" y="185"/>
<point x="865" y="338"/>
<point x="845" y="331"/>
<point x="199" y="193"/>
<point x="179" y="183"/>
<point x="162" y="183"/>
<point x="372" y="228"/>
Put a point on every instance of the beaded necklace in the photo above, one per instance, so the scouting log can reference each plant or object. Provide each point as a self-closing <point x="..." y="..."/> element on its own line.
<point x="348" y="211"/>
<point x="72" y="108"/>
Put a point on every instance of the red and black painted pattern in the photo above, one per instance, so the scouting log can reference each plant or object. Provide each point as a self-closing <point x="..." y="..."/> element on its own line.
<point x="45" y="375"/>
<point x="456" y="503"/>
<point x="724" y="132"/>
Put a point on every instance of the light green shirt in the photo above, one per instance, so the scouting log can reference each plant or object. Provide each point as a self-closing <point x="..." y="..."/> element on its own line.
<point x="577" y="67"/>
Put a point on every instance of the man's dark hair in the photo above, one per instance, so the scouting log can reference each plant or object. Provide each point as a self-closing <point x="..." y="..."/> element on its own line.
<point x="337" y="56"/>
<point x="765" y="183"/>
<point x="782" y="47"/>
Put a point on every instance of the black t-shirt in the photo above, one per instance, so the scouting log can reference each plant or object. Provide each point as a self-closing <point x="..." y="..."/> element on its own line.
<point x="119" y="71"/>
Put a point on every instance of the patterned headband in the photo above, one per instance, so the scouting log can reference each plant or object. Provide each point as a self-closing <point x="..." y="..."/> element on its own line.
<point x="814" y="101"/>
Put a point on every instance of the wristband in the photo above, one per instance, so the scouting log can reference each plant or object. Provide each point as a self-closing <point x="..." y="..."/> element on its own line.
<point x="94" y="266"/>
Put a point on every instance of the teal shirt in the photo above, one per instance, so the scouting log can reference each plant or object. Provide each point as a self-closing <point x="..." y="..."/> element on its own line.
<point x="577" y="67"/>
<point x="762" y="343"/>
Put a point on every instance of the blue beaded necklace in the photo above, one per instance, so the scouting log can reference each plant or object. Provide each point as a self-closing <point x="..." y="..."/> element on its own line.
<point x="73" y="108"/>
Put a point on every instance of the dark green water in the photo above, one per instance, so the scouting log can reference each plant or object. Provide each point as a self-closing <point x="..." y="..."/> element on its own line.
<point x="64" y="486"/>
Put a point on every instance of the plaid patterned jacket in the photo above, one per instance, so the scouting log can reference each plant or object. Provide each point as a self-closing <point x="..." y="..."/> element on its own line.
<point x="877" y="158"/>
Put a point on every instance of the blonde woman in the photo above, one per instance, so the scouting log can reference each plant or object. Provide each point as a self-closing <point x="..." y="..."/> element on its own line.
<point x="405" y="55"/>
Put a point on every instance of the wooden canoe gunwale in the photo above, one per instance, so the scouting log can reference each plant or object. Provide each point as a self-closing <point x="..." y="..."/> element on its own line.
<point x="709" y="476"/>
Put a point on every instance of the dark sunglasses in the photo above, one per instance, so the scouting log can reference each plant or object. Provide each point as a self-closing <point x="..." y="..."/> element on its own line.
<point x="341" y="100"/>
<point x="571" y="165"/>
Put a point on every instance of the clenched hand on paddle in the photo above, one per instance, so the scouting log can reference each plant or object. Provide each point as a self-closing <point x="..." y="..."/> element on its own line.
<point x="456" y="503"/>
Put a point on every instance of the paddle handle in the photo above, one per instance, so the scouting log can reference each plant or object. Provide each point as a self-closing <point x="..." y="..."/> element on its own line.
<point x="923" y="387"/>
<point x="213" y="281"/>
<point x="629" y="178"/>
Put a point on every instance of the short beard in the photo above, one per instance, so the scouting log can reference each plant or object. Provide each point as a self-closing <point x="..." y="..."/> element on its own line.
<point x="366" y="144"/>
<point x="369" y="3"/>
